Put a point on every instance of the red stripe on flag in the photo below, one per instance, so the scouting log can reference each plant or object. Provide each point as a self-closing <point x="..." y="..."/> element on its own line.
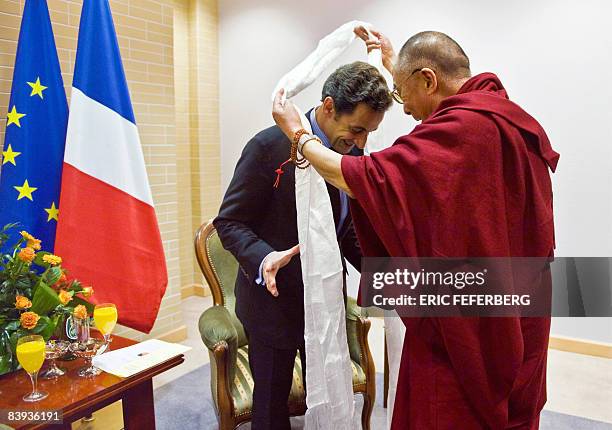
<point x="110" y="240"/>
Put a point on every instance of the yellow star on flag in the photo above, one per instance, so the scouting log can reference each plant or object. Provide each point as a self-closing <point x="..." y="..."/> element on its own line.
<point x="25" y="191"/>
<point x="9" y="155"/>
<point x="13" y="117"/>
<point x="37" y="88"/>
<point x="53" y="212"/>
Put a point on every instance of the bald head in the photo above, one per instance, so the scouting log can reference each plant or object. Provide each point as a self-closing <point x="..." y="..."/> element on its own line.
<point x="437" y="51"/>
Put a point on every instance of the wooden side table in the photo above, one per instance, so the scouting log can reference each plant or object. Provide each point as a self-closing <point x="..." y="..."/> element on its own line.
<point x="78" y="397"/>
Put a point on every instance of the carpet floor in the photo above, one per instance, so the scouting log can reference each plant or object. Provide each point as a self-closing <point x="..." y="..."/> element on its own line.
<point x="186" y="404"/>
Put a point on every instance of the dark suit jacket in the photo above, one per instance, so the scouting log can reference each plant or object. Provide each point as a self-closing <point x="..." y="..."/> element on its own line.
<point x="255" y="219"/>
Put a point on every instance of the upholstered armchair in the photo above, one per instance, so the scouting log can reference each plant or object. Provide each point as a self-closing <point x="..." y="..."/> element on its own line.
<point x="223" y="335"/>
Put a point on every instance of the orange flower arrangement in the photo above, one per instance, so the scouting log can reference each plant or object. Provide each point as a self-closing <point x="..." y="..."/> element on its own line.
<point x="35" y="294"/>
<point x="27" y="254"/>
<point x="29" y="320"/>
<point x="64" y="297"/>
<point x="32" y="241"/>
<point x="22" y="302"/>
<point x="80" y="311"/>
<point x="53" y="260"/>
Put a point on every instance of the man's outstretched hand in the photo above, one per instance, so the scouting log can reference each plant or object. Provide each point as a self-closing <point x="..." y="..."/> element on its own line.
<point x="273" y="263"/>
<point x="286" y="115"/>
<point x="379" y="41"/>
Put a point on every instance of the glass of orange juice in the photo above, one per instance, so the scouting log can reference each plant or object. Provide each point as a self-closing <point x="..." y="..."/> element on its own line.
<point x="105" y="317"/>
<point x="31" y="355"/>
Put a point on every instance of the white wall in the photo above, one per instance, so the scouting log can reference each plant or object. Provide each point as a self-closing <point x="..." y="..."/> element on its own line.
<point x="554" y="57"/>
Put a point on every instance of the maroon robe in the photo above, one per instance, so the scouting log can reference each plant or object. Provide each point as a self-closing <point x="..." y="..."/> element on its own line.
<point x="471" y="180"/>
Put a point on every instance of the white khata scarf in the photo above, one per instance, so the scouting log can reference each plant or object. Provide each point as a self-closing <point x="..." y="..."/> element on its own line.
<point x="329" y="383"/>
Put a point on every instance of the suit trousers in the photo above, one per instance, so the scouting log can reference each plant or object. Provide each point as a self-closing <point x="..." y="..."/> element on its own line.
<point x="272" y="371"/>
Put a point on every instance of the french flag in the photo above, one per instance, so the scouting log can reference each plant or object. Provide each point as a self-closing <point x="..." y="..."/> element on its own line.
<point x="107" y="231"/>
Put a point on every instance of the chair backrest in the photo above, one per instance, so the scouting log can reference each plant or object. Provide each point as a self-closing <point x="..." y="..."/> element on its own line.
<point x="220" y="269"/>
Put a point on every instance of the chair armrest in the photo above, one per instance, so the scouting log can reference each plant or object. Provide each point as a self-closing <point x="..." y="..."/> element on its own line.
<point x="353" y="311"/>
<point x="216" y="328"/>
<point x="355" y="318"/>
<point x="221" y="338"/>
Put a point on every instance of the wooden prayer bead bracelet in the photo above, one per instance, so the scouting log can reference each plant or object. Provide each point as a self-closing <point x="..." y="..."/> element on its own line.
<point x="296" y="149"/>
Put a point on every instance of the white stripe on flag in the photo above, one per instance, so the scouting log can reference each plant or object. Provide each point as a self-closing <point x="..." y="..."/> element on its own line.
<point x="103" y="144"/>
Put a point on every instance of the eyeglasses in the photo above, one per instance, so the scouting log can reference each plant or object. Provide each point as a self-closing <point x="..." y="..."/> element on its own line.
<point x="396" y="94"/>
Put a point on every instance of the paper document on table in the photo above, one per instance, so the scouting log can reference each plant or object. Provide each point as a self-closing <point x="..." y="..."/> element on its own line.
<point x="133" y="359"/>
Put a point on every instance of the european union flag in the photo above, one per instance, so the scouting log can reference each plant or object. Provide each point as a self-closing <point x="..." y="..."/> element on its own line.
<point x="33" y="151"/>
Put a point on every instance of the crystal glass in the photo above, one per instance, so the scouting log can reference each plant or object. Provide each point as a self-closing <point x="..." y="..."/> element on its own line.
<point x="53" y="350"/>
<point x="31" y="355"/>
<point x="81" y="328"/>
<point x="86" y="347"/>
<point x="105" y="317"/>
<point x="87" y="351"/>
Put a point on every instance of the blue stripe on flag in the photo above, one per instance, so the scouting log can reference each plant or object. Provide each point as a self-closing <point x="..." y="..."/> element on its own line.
<point x="98" y="71"/>
<point x="33" y="149"/>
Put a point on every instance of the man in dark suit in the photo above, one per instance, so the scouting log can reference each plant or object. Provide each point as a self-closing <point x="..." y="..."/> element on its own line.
<point x="257" y="224"/>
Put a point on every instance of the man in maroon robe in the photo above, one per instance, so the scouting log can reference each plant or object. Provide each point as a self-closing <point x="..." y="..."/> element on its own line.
<point x="472" y="180"/>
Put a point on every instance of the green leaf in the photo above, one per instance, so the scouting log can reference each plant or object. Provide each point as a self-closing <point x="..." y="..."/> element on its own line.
<point x="9" y="226"/>
<point x="45" y="300"/>
<point x="5" y="363"/>
<point x="45" y="327"/>
<point x="12" y="326"/>
<point x="23" y="283"/>
<point x="8" y="361"/>
<point x="42" y="323"/>
<point x="15" y="337"/>
<point x="3" y="233"/>
<point x="56" y="317"/>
